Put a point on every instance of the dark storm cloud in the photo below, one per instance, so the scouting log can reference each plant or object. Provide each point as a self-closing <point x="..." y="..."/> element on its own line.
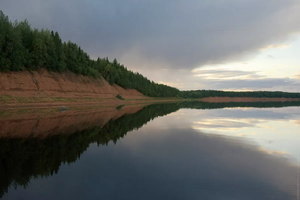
<point x="175" y="34"/>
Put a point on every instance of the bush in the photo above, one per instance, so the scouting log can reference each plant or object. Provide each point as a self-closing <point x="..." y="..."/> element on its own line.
<point x="120" y="97"/>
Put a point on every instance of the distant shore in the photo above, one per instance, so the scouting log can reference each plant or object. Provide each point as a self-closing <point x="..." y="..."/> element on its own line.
<point x="245" y="99"/>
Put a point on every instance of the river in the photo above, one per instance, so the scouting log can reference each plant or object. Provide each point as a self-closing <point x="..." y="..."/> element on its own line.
<point x="164" y="151"/>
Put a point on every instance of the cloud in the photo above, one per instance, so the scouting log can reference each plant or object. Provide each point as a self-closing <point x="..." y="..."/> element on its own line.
<point x="278" y="46"/>
<point x="257" y="84"/>
<point x="221" y="79"/>
<point x="296" y="76"/>
<point x="246" y="134"/>
<point x="154" y="34"/>
<point x="273" y="152"/>
<point x="226" y="74"/>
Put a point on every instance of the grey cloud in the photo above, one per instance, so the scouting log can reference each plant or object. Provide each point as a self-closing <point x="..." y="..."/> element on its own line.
<point x="256" y="84"/>
<point x="177" y="34"/>
<point x="243" y="80"/>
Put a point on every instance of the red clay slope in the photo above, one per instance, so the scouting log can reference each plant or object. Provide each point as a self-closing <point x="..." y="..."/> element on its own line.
<point x="67" y="84"/>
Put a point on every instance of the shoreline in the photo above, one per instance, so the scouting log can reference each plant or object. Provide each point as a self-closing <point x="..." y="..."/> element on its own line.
<point x="29" y="102"/>
<point x="246" y="99"/>
<point x="95" y="102"/>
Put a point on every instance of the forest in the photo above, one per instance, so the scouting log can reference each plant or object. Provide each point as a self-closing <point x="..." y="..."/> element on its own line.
<point x="217" y="93"/>
<point x="25" y="48"/>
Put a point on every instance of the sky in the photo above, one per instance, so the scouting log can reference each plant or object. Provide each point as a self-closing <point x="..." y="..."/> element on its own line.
<point x="209" y="44"/>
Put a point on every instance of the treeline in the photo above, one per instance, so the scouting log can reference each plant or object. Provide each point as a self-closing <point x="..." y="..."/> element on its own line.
<point x="24" y="48"/>
<point x="205" y="105"/>
<point x="217" y="93"/>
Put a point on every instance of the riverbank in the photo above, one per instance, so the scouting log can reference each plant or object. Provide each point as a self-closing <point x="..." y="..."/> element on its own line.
<point x="42" y="88"/>
<point x="42" y="85"/>
<point x="9" y="102"/>
<point x="77" y="102"/>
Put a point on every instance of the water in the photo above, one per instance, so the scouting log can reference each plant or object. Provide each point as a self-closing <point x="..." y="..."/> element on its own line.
<point x="183" y="153"/>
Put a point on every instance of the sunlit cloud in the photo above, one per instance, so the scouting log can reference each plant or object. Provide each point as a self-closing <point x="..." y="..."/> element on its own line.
<point x="297" y="76"/>
<point x="276" y="46"/>
<point x="246" y="84"/>
<point x="245" y="134"/>
<point x="226" y="74"/>
<point x="262" y="149"/>
<point x="297" y="122"/>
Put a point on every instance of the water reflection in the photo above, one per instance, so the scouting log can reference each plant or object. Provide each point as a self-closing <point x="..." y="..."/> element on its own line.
<point x="153" y="162"/>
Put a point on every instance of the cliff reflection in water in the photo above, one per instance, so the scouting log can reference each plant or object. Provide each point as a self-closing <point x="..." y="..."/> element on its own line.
<point x="23" y="157"/>
<point x="42" y="149"/>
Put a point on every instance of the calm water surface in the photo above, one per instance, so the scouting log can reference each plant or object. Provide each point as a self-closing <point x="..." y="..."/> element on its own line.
<point x="229" y="153"/>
